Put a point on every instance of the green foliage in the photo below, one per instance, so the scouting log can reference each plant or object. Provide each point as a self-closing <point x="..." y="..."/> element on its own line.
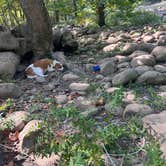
<point x="114" y="99"/>
<point x="142" y="18"/>
<point x="8" y="103"/>
<point x="82" y="145"/>
<point x="154" y="154"/>
<point x="76" y="148"/>
<point x="152" y="99"/>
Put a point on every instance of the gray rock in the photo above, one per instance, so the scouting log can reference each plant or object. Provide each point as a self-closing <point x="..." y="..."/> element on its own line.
<point x="148" y="47"/>
<point x="61" y="99"/>
<point x="99" y="77"/>
<point x="141" y="60"/>
<point x="136" y="109"/>
<point x="8" y="42"/>
<point x="9" y="90"/>
<point x="27" y="136"/>
<point x="137" y="53"/>
<point x="152" y="77"/>
<point x="70" y="77"/>
<point x="160" y="68"/>
<point x="162" y="41"/>
<point x="159" y="33"/>
<point x="122" y="59"/>
<point x="148" y="39"/>
<point x="142" y="69"/>
<point x="160" y="53"/>
<point x="111" y="47"/>
<point x="79" y="86"/>
<point x="112" y="89"/>
<point x="123" y="65"/>
<point x="115" y="110"/>
<point x="8" y="64"/>
<point x="130" y="48"/>
<point x="18" y="119"/>
<point x="108" y="68"/>
<point x="40" y="79"/>
<point x="68" y="42"/>
<point x="59" y="56"/>
<point x="124" y="77"/>
<point x="49" y="86"/>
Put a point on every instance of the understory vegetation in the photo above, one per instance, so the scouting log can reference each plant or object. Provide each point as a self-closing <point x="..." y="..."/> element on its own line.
<point x="80" y="140"/>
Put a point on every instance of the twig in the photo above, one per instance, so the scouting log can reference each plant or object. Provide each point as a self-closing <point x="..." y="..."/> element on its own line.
<point x="113" y="163"/>
<point x="130" y="154"/>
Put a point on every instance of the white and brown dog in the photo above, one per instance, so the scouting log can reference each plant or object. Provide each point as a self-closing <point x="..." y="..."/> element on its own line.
<point x="40" y="67"/>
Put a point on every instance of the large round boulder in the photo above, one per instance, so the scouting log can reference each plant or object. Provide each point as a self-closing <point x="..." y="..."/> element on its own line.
<point x="160" y="53"/>
<point x="136" y="109"/>
<point x="8" y="64"/>
<point x="9" y="90"/>
<point x="141" y="60"/>
<point x="27" y="137"/>
<point x="8" y="42"/>
<point x="152" y="77"/>
<point x="108" y="67"/>
<point x="130" y="48"/>
<point x="124" y="77"/>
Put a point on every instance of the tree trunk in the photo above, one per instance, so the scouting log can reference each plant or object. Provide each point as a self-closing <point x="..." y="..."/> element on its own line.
<point x="39" y="24"/>
<point x="75" y="8"/>
<point x="100" y="14"/>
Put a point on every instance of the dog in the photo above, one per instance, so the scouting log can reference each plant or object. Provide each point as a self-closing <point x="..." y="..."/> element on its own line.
<point x="40" y="67"/>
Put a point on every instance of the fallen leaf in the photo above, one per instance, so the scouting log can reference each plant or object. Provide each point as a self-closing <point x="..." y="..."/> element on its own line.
<point x="13" y="136"/>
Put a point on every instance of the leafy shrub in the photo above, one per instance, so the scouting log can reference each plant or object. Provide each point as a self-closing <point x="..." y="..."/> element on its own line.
<point x="135" y="18"/>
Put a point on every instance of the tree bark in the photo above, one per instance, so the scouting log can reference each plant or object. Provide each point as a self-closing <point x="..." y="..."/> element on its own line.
<point x="39" y="24"/>
<point x="100" y="14"/>
<point x="75" y="8"/>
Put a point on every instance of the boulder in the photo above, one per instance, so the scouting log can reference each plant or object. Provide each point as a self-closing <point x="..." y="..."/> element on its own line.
<point x="108" y="67"/>
<point x="130" y="48"/>
<point x="156" y="126"/>
<point x="8" y="42"/>
<point x="152" y="77"/>
<point x="136" y="109"/>
<point x="160" y="53"/>
<point x="160" y="68"/>
<point x="148" y="39"/>
<point x="61" y="99"/>
<point x="8" y="64"/>
<point x="79" y="86"/>
<point x="64" y="40"/>
<point x="142" y="69"/>
<point x="121" y="58"/>
<point x="124" y="77"/>
<point x="27" y="136"/>
<point x="162" y="41"/>
<point x="148" y="47"/>
<point x="9" y="90"/>
<point x="69" y="44"/>
<point x="159" y="33"/>
<point x="141" y="60"/>
<point x="18" y="119"/>
<point x="137" y="53"/>
<point x="59" y="56"/>
<point x="111" y="47"/>
<point x="70" y="77"/>
<point x="123" y="65"/>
